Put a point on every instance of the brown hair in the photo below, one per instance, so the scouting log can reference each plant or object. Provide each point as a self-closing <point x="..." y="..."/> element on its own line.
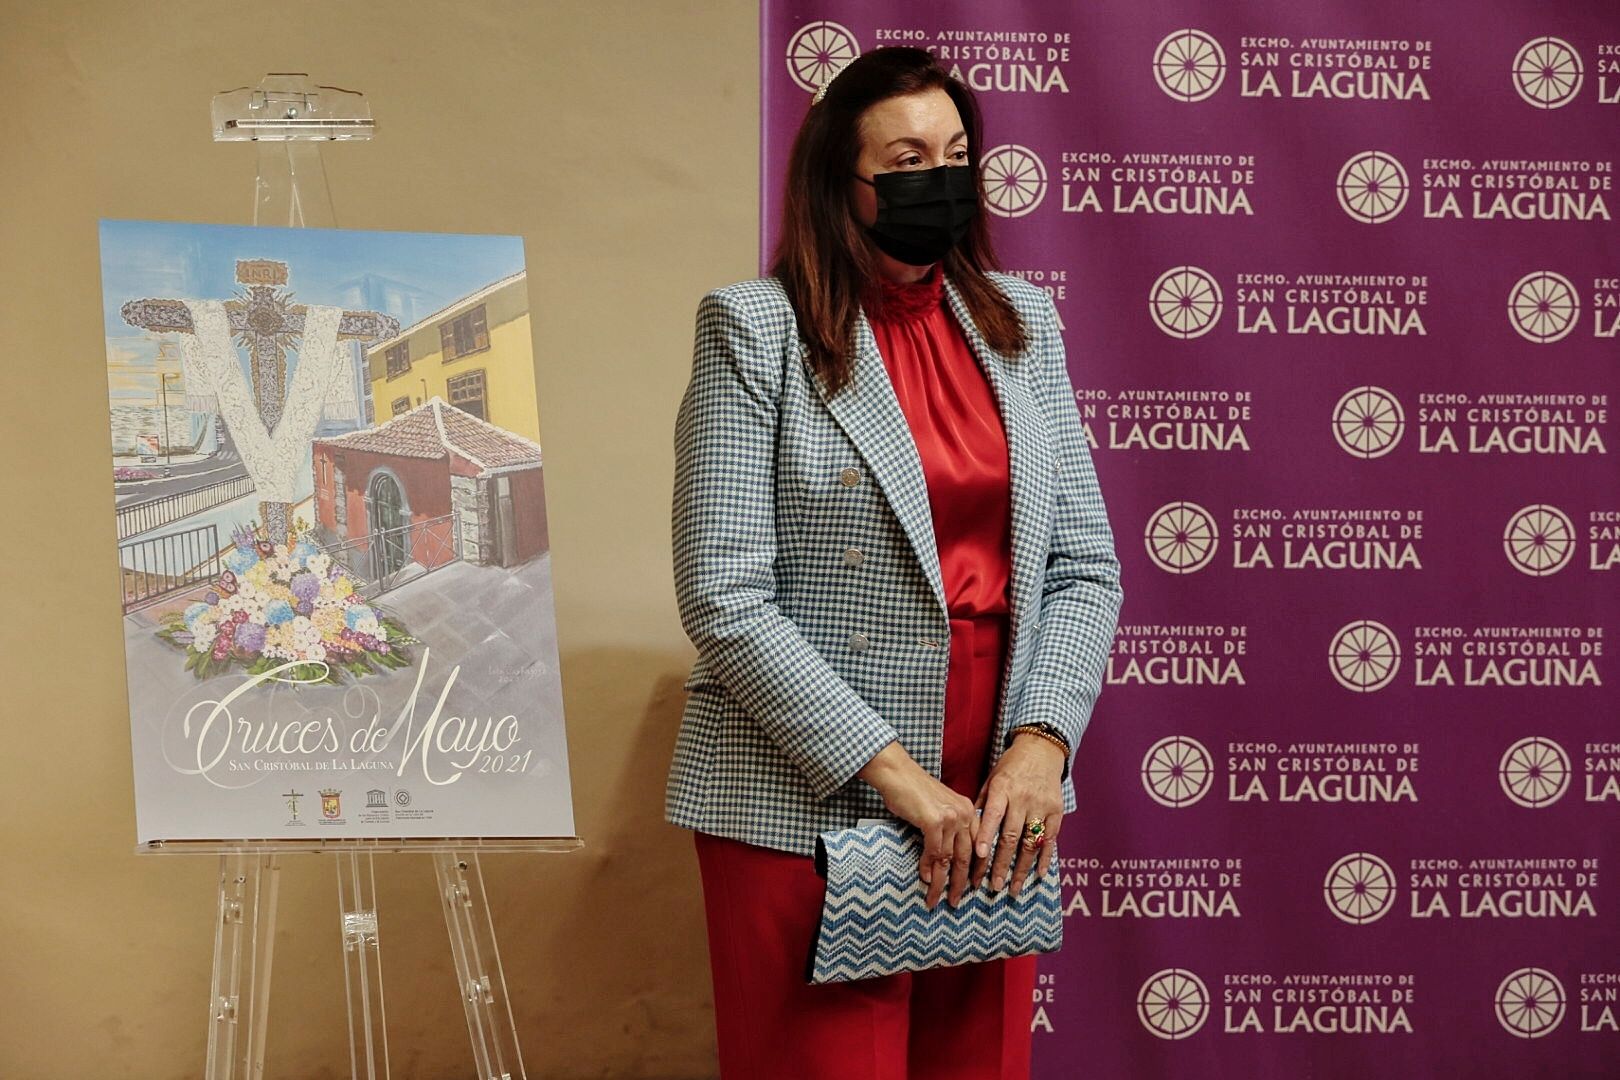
<point x="822" y="255"/>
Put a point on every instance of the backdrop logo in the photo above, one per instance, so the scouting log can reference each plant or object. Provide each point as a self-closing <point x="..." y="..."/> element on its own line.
<point x="1368" y="422"/>
<point x="1364" y="656"/>
<point x="1181" y="537"/>
<point x="1173" y="1003"/>
<point x="1372" y="187"/>
<point x="1327" y="538"/>
<point x="1178" y="654"/>
<point x="1517" y="189"/>
<point x="1603" y="532"/>
<point x="1177" y="771"/>
<point x="1543" y="306"/>
<point x="1014" y="179"/>
<point x="1162" y="418"/>
<point x="1185" y="302"/>
<point x="1359" y="888"/>
<point x="1547" y="72"/>
<point x="1512" y="423"/>
<point x="1334" y="69"/>
<point x="1333" y="773"/>
<point x="1539" y="540"/>
<point x="1189" y="65"/>
<point x="1602" y="775"/>
<point x="1508" y="655"/>
<point x="817" y="51"/>
<point x="1530" y="1002"/>
<point x="1534" y="772"/>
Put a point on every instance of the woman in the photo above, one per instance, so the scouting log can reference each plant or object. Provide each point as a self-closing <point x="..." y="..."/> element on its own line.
<point x="894" y="560"/>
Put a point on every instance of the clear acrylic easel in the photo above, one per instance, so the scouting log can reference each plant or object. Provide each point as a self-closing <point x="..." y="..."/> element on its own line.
<point x="289" y="119"/>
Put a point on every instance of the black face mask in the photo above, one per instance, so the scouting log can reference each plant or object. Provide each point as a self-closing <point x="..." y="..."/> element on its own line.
<point x="922" y="213"/>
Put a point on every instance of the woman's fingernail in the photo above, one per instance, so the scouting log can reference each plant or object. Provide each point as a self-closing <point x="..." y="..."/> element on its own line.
<point x="984" y="849"/>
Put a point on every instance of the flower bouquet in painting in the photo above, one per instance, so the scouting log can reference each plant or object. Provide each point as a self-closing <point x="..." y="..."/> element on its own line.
<point x="288" y="603"/>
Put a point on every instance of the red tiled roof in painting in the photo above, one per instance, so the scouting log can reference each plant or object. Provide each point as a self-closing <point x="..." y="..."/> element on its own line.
<point x="436" y="427"/>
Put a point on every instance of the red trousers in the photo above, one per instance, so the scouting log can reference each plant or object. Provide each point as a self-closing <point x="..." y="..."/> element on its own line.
<point x="762" y="906"/>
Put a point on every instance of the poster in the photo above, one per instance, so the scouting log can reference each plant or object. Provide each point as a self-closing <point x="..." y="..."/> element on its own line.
<point x="333" y="563"/>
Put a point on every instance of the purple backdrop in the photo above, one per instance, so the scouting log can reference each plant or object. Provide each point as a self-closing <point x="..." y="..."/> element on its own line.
<point x="1341" y="289"/>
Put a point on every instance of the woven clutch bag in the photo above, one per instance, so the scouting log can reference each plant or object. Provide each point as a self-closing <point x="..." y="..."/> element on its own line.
<point x="875" y="919"/>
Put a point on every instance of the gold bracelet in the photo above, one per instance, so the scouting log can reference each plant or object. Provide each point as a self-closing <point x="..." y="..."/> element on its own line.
<point x="1051" y="737"/>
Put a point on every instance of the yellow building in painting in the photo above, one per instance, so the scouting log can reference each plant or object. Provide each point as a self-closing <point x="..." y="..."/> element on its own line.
<point x="476" y="354"/>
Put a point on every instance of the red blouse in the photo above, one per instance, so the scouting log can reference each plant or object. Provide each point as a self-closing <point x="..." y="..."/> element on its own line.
<point x="955" y="421"/>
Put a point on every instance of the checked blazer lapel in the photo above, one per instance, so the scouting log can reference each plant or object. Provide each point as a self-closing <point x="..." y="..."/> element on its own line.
<point x="870" y="414"/>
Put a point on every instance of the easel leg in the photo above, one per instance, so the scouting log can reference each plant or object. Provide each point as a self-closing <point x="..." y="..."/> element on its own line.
<point x="362" y="966"/>
<point x="478" y="967"/>
<point x="239" y="994"/>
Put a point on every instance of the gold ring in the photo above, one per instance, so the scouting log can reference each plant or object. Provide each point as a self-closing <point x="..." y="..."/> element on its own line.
<point x="1034" y="833"/>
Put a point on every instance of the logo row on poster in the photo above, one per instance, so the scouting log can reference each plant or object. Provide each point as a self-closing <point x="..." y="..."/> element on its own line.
<point x="379" y="807"/>
<point x="1528" y="1002"/>
<point x="1191" y="65"/>
<point x="1182" y="537"/>
<point x="1364" y="655"/>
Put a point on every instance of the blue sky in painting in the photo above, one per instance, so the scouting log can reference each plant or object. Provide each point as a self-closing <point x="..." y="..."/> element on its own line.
<point x="417" y="273"/>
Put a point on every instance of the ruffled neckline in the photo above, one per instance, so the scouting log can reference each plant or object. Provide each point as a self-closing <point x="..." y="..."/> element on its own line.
<point x="906" y="301"/>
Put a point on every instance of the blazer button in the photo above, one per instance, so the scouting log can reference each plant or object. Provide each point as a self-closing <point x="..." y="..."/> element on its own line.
<point x="850" y="476"/>
<point x="859" y="642"/>
<point x="853" y="557"/>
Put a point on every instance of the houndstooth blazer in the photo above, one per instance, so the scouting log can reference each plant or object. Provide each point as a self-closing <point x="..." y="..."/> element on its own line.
<point x="807" y="575"/>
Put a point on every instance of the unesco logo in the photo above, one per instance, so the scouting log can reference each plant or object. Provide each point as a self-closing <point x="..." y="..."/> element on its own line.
<point x="1547" y="72"/>
<point x="1530" y="1002"/>
<point x="1185" y="302"/>
<point x="1173" y="1003"/>
<point x="1359" y="888"/>
<point x="817" y="51"/>
<point x="1534" y="772"/>
<point x="1177" y="771"/>
<point x="1368" y="421"/>
<point x="1372" y="187"/>
<point x="1014" y="179"/>
<point x="1543" y="306"/>
<point x="1189" y="65"/>
<point x="1539" y="540"/>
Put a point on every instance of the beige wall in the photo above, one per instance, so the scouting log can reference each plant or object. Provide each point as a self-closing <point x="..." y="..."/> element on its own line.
<point x="620" y="140"/>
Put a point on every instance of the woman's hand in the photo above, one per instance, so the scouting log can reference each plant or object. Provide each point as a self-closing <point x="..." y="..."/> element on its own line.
<point x="1026" y="782"/>
<point x="945" y="817"/>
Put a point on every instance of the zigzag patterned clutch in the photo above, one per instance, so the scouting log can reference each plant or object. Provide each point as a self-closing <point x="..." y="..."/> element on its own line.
<point x="875" y="921"/>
